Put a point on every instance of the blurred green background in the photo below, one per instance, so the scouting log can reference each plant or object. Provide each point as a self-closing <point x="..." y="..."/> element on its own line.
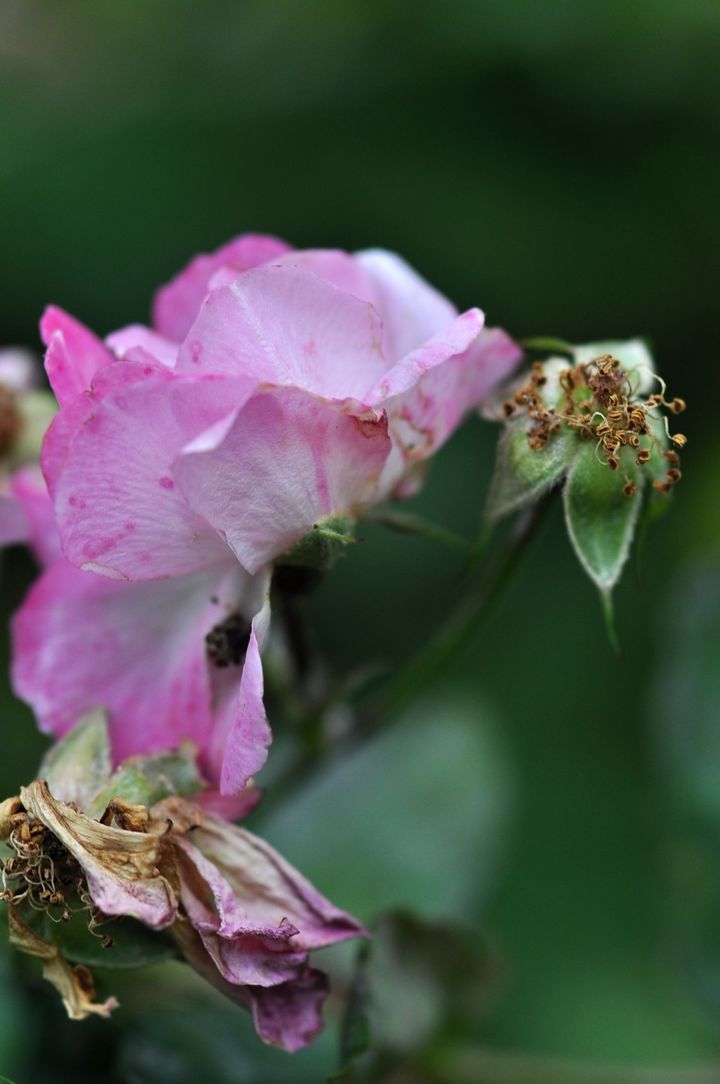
<point x="556" y="164"/>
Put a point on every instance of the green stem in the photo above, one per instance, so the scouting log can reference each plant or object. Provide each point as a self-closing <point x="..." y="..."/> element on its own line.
<point x="413" y="678"/>
<point x="409" y="523"/>
<point x="421" y="669"/>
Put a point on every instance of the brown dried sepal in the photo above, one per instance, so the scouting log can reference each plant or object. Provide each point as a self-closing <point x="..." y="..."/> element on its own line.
<point x="74" y="984"/>
<point x="9" y="809"/>
<point x="129" y="817"/>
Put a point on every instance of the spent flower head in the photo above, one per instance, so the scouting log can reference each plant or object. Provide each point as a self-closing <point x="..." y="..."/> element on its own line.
<point x="598" y="422"/>
<point x="88" y="846"/>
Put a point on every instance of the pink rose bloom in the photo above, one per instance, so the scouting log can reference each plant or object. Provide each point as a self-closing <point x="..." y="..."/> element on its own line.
<point x="276" y="390"/>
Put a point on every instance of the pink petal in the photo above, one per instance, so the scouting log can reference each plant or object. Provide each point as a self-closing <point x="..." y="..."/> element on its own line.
<point x="423" y="415"/>
<point x="79" y="410"/>
<point x="136" y="336"/>
<point x="29" y="489"/>
<point x="411" y="310"/>
<point x="177" y="304"/>
<point x="448" y="343"/>
<point x="290" y="1016"/>
<point x="118" y="508"/>
<point x="247" y="740"/>
<point x="288" y="460"/>
<point x="269" y="889"/>
<point x="82" y="641"/>
<point x="229" y="807"/>
<point x="73" y="354"/>
<point x="244" y="952"/>
<point x="336" y="267"/>
<point x="284" y="325"/>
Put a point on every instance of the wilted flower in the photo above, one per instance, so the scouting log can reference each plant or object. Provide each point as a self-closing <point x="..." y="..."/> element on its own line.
<point x="596" y="421"/>
<point x="278" y="390"/>
<point x="238" y="912"/>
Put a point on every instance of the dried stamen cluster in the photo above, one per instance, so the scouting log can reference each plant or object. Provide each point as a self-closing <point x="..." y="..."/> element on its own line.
<point x="599" y="402"/>
<point x="42" y="873"/>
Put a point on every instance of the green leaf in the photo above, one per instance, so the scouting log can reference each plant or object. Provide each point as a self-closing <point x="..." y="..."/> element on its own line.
<point x="146" y="780"/>
<point x="133" y="945"/>
<point x="600" y="519"/>
<point x="414" y="978"/>
<point x="523" y="475"/>
<point x="78" y="765"/>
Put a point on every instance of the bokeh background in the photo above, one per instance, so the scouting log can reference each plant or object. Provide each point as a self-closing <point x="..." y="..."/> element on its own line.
<point x="556" y="164"/>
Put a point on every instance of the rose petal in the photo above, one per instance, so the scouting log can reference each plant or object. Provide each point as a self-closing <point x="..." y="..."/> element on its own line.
<point x="177" y="304"/>
<point x="288" y="460"/>
<point x="82" y="640"/>
<point x="269" y="889"/>
<point x="290" y="1016"/>
<point x="74" y="354"/>
<point x="28" y="487"/>
<point x="136" y="336"/>
<point x="244" y="952"/>
<point x="411" y="310"/>
<point x="118" y="508"/>
<point x="286" y="326"/>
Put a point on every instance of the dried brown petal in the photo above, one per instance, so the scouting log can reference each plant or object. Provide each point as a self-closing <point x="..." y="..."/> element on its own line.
<point x="74" y="984"/>
<point x="121" y="867"/>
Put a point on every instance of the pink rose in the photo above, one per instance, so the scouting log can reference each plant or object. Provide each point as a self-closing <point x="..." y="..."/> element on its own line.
<point x="278" y="389"/>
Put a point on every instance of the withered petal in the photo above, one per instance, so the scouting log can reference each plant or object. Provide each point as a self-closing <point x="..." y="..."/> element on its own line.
<point x="74" y="984"/>
<point x="121" y="867"/>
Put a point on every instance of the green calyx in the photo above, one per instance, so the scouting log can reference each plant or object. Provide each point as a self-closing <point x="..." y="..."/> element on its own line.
<point x="78" y="769"/>
<point x="320" y="548"/>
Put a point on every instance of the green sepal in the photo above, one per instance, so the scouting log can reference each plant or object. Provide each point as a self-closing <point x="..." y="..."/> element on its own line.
<point x="77" y="766"/>
<point x="133" y="945"/>
<point x="547" y="344"/>
<point x="600" y="518"/>
<point x="320" y="548"/>
<point x="521" y="474"/>
<point x="149" y="779"/>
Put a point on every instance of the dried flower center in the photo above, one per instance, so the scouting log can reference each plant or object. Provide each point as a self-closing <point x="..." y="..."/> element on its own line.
<point x="227" y="642"/>
<point x="42" y="873"/>
<point x="598" y="402"/>
<point x="10" y="420"/>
